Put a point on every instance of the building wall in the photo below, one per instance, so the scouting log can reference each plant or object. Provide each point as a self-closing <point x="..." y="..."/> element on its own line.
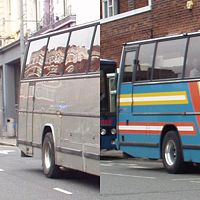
<point x="165" y="18"/>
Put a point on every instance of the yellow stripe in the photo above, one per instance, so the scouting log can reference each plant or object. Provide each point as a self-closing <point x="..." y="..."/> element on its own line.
<point x="161" y="102"/>
<point x="171" y="102"/>
<point x="153" y="103"/>
<point x="126" y="95"/>
<point x="153" y="94"/>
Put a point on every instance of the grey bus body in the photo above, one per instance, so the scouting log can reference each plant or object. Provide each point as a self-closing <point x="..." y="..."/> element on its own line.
<point x="59" y="109"/>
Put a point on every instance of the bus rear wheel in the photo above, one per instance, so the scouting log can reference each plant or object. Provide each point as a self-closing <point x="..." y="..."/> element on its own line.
<point x="50" y="169"/>
<point x="172" y="153"/>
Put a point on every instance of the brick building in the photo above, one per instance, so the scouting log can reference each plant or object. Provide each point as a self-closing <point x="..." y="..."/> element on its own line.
<point x="131" y="20"/>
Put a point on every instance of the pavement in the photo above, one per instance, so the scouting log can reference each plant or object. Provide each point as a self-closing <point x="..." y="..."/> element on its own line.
<point x="8" y="141"/>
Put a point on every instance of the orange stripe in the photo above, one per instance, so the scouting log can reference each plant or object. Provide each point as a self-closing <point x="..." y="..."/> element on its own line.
<point x="194" y="91"/>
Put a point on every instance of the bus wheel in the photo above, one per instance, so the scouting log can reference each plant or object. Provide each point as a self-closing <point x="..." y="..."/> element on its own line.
<point x="172" y="153"/>
<point x="50" y="169"/>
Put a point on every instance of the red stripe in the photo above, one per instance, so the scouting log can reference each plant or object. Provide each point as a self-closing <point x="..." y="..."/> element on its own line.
<point x="155" y="124"/>
<point x="194" y="91"/>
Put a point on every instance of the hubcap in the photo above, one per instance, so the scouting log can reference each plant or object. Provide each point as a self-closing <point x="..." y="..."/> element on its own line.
<point x="47" y="156"/>
<point x="170" y="153"/>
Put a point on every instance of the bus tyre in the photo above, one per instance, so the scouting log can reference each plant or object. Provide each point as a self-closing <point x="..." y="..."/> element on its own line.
<point x="50" y="169"/>
<point x="172" y="153"/>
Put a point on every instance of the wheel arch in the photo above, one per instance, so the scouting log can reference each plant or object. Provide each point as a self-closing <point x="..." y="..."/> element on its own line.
<point x="165" y="130"/>
<point x="48" y="128"/>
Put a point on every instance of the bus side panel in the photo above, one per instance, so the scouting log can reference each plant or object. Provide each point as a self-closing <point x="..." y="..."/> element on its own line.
<point x="155" y="106"/>
<point x="80" y="112"/>
<point x="46" y="111"/>
<point x="21" y="133"/>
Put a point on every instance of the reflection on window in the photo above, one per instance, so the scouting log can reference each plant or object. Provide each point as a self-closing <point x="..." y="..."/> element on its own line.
<point x="128" y="66"/>
<point x="78" y="51"/>
<point x="55" y="55"/>
<point x="145" y="62"/>
<point x="169" y="59"/>
<point x="193" y="59"/>
<point x="35" y="58"/>
<point x="95" y="56"/>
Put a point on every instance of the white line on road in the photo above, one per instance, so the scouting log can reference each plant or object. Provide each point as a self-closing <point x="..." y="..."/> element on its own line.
<point x="194" y="181"/>
<point x="61" y="190"/>
<point x="138" y="167"/>
<point x="130" y="176"/>
<point x="106" y="165"/>
<point x="1" y="170"/>
<point x="186" y="179"/>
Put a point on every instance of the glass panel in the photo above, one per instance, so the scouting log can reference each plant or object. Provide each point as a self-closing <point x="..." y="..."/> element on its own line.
<point x="145" y="62"/>
<point x="112" y="90"/>
<point x="128" y="66"/>
<point x="103" y="92"/>
<point x="35" y="58"/>
<point x="110" y="11"/>
<point x="95" y="57"/>
<point x="105" y="9"/>
<point x="55" y="55"/>
<point x="115" y="7"/>
<point x="169" y="59"/>
<point x="193" y="59"/>
<point x="78" y="51"/>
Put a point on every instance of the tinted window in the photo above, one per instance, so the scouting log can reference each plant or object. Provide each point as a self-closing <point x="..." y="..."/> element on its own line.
<point x="78" y="51"/>
<point x="35" y="58"/>
<point x="95" y="56"/>
<point x="145" y="62"/>
<point x="128" y="66"/>
<point x="55" y="55"/>
<point x="169" y="59"/>
<point x="193" y="58"/>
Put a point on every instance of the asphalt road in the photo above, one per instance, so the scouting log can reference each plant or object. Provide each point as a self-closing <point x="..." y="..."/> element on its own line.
<point x="137" y="179"/>
<point x="23" y="179"/>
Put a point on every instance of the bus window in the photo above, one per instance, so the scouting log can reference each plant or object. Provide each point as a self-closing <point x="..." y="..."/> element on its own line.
<point x="128" y="66"/>
<point x="55" y="55"/>
<point x="193" y="60"/>
<point x="78" y="51"/>
<point x="35" y="58"/>
<point x="169" y="59"/>
<point x="145" y="62"/>
<point x="95" y="56"/>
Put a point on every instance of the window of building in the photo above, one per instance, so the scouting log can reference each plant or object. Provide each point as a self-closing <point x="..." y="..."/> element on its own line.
<point x="169" y="59"/>
<point x="35" y="58"/>
<point x="145" y="62"/>
<point x="77" y="60"/>
<point x="193" y="60"/>
<point x="95" y="56"/>
<point x="54" y="60"/>
<point x="110" y="8"/>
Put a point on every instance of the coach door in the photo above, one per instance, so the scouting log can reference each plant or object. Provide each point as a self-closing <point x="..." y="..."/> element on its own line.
<point x="29" y="117"/>
<point x="125" y="91"/>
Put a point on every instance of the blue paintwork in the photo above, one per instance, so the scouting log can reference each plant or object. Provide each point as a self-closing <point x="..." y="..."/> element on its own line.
<point x="127" y="113"/>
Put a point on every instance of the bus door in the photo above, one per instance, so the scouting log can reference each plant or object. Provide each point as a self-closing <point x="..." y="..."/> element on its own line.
<point x="125" y="95"/>
<point x="29" y="117"/>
